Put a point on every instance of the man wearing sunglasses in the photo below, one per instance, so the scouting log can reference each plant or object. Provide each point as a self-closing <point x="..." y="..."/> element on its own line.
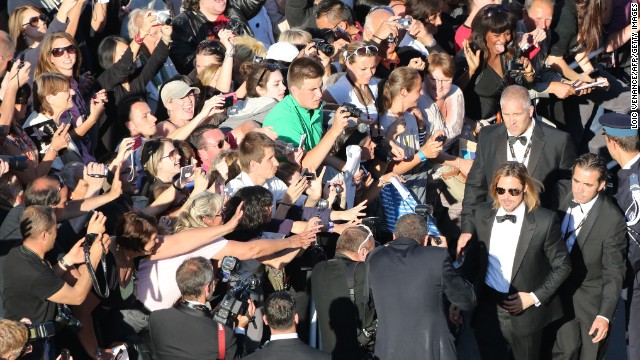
<point x="338" y="289"/>
<point x="209" y="142"/>
<point x="547" y="153"/>
<point x="526" y="262"/>
<point x="336" y="15"/>
<point x="594" y="232"/>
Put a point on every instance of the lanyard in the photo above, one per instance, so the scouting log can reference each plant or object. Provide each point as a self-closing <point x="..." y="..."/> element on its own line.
<point x="567" y="235"/>
<point x="363" y="101"/>
<point x="526" y="153"/>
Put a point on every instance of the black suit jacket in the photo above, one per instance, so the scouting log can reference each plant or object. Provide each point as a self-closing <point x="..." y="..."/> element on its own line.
<point x="550" y="160"/>
<point x="185" y="333"/>
<point x="339" y="317"/>
<point x="408" y="281"/>
<point x="598" y="259"/>
<point x="541" y="264"/>
<point x="290" y="349"/>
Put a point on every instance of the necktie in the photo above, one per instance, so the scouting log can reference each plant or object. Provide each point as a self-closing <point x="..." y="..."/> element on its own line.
<point x="512" y="139"/>
<point x="511" y="218"/>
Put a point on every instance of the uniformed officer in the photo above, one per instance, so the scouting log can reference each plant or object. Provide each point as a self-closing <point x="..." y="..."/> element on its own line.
<point x="622" y="141"/>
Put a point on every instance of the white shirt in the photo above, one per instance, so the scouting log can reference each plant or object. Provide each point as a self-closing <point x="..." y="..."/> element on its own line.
<point x="277" y="187"/>
<point x="410" y="41"/>
<point x="575" y="216"/>
<point x="342" y="92"/>
<point x="502" y="251"/>
<point x="283" y="336"/>
<point x="631" y="162"/>
<point x="520" y="149"/>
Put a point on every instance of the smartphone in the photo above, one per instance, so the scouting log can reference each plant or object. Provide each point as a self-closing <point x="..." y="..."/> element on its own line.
<point x="65" y="354"/>
<point x="137" y="142"/>
<point x="186" y="174"/>
<point x="228" y="100"/>
<point x="307" y="175"/>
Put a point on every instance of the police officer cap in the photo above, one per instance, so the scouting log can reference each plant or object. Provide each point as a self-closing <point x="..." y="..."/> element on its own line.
<point x="618" y="125"/>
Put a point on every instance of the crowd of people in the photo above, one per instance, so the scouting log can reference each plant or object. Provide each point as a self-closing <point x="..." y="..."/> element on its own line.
<point x="315" y="179"/>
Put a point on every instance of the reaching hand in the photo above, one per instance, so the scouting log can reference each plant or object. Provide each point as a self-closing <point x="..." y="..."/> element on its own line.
<point x="97" y="223"/>
<point x="235" y="219"/>
<point x="462" y="242"/>
<point x="294" y="191"/>
<point x="473" y="58"/>
<point x="61" y="137"/>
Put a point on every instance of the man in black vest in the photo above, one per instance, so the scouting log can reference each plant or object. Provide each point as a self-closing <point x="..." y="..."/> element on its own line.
<point x="188" y="331"/>
<point x="338" y="291"/>
<point x="594" y="231"/>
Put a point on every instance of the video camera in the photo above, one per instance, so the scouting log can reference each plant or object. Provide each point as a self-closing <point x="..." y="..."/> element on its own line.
<point x="228" y="265"/>
<point x="236" y="301"/>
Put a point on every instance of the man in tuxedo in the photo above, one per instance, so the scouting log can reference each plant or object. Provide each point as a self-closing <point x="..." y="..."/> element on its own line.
<point x="621" y="136"/>
<point x="594" y="232"/>
<point x="188" y="331"/>
<point x="280" y="314"/>
<point x="407" y="279"/>
<point x="546" y="152"/>
<point x="340" y="292"/>
<point x="527" y="263"/>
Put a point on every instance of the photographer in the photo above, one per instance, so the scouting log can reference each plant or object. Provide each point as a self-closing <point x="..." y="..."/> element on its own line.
<point x="188" y="331"/>
<point x="13" y="339"/>
<point x="338" y="289"/>
<point x="33" y="287"/>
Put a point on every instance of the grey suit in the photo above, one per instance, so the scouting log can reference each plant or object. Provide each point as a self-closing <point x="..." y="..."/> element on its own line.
<point x="540" y="266"/>
<point x="593" y="288"/>
<point x="552" y="155"/>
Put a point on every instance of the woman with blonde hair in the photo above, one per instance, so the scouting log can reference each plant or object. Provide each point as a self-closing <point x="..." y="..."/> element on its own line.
<point x="201" y="210"/>
<point x="357" y="86"/>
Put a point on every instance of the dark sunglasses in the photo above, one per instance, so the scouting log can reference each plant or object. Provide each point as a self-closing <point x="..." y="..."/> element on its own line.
<point x="512" y="192"/>
<point x="57" y="52"/>
<point x="496" y="9"/>
<point x="172" y="154"/>
<point x="268" y="67"/>
<point x="36" y="19"/>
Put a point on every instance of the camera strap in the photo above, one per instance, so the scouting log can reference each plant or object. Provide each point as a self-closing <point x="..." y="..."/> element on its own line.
<point x="221" y="342"/>
<point x="92" y="273"/>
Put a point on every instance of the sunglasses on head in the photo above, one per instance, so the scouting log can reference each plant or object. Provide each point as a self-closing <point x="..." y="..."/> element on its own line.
<point x="496" y="9"/>
<point x="379" y="7"/>
<point x="271" y="67"/>
<point x="36" y="19"/>
<point x="57" y="52"/>
<point x="365" y="50"/>
<point x="512" y="192"/>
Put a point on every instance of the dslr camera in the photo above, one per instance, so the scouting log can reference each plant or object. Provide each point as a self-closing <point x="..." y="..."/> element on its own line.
<point x="236" y="301"/>
<point x="323" y="46"/>
<point x="352" y="110"/>
<point x="64" y="318"/>
<point x="16" y="162"/>
<point x="235" y="26"/>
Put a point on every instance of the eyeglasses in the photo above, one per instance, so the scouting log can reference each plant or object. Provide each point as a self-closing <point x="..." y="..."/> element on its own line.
<point x="36" y="19"/>
<point x="512" y="192"/>
<point x="439" y="81"/>
<point x="172" y="154"/>
<point x="369" y="236"/>
<point x="365" y="50"/>
<point x="57" y="52"/>
<point x="379" y="7"/>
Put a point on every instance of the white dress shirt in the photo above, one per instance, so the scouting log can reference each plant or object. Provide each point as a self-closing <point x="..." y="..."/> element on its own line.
<point x="574" y="217"/>
<point x="277" y="187"/>
<point x="283" y="336"/>
<point x="502" y="251"/>
<point x="520" y="149"/>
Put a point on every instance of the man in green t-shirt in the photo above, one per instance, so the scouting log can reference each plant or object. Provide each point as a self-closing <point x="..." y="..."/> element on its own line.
<point x="300" y="112"/>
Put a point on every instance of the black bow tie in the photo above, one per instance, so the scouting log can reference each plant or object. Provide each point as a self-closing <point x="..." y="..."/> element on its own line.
<point x="573" y="205"/>
<point x="511" y="218"/>
<point x="512" y="139"/>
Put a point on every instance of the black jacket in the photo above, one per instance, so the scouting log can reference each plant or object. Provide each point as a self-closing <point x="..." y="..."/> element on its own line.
<point x="185" y="333"/>
<point x="190" y="28"/>
<point x="290" y="349"/>
<point x="408" y="282"/>
<point x="550" y="160"/>
<point x="598" y="260"/>
<point x="541" y="264"/>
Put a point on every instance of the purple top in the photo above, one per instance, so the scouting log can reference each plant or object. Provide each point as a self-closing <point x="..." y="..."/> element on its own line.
<point x="77" y="115"/>
<point x="620" y="15"/>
